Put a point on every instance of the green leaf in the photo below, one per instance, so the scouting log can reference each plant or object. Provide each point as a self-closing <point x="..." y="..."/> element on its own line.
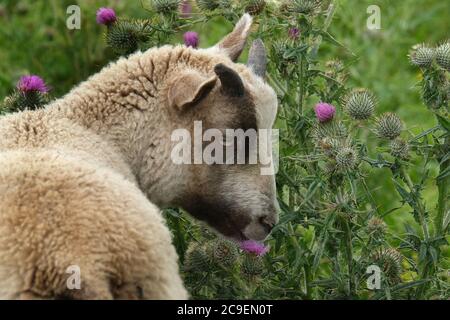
<point x="323" y="238"/>
<point x="443" y="174"/>
<point x="422" y="252"/>
<point x="444" y="123"/>
<point x="434" y="254"/>
<point x="329" y="38"/>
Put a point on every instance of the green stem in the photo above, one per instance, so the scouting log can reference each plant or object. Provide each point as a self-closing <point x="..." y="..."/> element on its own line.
<point x="349" y="255"/>
<point x="301" y="91"/>
<point x="330" y="13"/>
<point x="442" y="185"/>
<point x="420" y="207"/>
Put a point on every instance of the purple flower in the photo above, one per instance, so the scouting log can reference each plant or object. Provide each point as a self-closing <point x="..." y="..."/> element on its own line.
<point x="324" y="111"/>
<point x="254" y="247"/>
<point x="106" y="16"/>
<point x="186" y="9"/>
<point x="32" y="83"/>
<point x="294" y="33"/>
<point x="191" y="39"/>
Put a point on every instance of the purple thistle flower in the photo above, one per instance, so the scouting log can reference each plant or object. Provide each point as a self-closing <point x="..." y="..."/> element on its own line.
<point x="294" y="33"/>
<point x="254" y="247"/>
<point x="324" y="111"/>
<point x="106" y="16"/>
<point x="32" y="83"/>
<point x="191" y="39"/>
<point x="186" y="9"/>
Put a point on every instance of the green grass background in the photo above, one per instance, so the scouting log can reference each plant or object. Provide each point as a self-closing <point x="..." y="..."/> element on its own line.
<point x="34" y="39"/>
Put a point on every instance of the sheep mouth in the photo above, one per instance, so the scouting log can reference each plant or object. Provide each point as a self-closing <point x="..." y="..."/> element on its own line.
<point x="242" y="236"/>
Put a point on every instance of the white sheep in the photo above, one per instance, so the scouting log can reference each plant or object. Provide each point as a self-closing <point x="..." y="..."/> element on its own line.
<point x="81" y="179"/>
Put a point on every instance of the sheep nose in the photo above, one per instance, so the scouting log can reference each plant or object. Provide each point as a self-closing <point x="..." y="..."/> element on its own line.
<point x="266" y="223"/>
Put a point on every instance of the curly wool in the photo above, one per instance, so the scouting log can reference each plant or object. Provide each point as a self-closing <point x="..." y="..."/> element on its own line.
<point x="68" y="179"/>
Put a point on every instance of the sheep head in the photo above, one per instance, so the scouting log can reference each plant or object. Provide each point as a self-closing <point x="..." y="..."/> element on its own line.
<point x="233" y="197"/>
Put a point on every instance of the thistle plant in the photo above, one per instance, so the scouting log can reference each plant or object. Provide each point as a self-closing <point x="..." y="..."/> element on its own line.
<point x="31" y="93"/>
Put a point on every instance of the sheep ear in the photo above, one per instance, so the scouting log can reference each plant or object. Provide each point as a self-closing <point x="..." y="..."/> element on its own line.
<point x="232" y="84"/>
<point x="189" y="88"/>
<point x="233" y="44"/>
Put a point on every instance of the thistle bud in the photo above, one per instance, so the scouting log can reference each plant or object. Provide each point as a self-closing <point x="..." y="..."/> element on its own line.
<point x="346" y="159"/>
<point x="279" y="48"/>
<point x="359" y="104"/>
<point x="443" y="55"/>
<point x="225" y="4"/>
<point x="124" y="36"/>
<point x="208" y="5"/>
<point x="389" y="126"/>
<point x="121" y="38"/>
<point x="330" y="129"/>
<point x="224" y="252"/>
<point x="252" y="265"/>
<point x="255" y="7"/>
<point x="19" y="101"/>
<point x="422" y="56"/>
<point x="166" y="6"/>
<point x="390" y="262"/>
<point x="306" y="7"/>
<point x="400" y="148"/>
<point x="329" y="145"/>
<point x="196" y="259"/>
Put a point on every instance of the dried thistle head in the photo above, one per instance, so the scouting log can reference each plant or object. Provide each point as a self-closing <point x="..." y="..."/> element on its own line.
<point x="443" y="55"/>
<point x="390" y="262"/>
<point x="421" y="55"/>
<point x="400" y="148"/>
<point x="389" y="126"/>
<point x="334" y="68"/>
<point x="376" y="228"/>
<point x="335" y="65"/>
<point x="359" y="104"/>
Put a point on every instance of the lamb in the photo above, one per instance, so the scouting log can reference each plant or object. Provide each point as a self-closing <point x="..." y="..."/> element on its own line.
<point x="82" y="180"/>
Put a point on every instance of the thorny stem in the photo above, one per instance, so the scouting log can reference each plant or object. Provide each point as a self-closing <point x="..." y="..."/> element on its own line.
<point x="421" y="209"/>
<point x="442" y="185"/>
<point x="421" y="214"/>
<point x="348" y="249"/>
<point x="330" y="13"/>
<point x="302" y="85"/>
